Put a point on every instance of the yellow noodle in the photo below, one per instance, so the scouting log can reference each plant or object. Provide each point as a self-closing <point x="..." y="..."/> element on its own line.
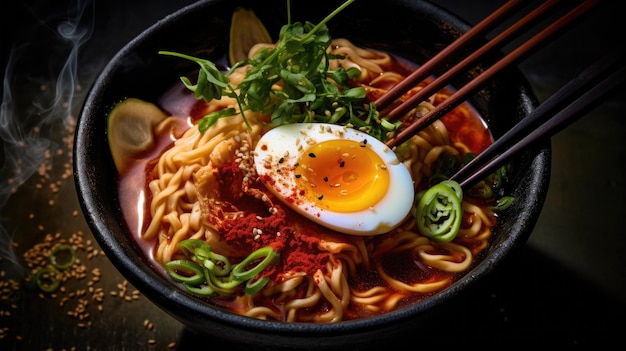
<point x="369" y="62"/>
<point x="289" y="284"/>
<point x="262" y="313"/>
<point x="379" y="290"/>
<point x="415" y="287"/>
<point x="344" y="248"/>
<point x="176" y="213"/>
<point x="370" y="299"/>
<point x="446" y="262"/>
<point x="393" y="300"/>
<point x="386" y="79"/>
<point x="312" y="296"/>
<point x="399" y="241"/>
<point x="336" y="313"/>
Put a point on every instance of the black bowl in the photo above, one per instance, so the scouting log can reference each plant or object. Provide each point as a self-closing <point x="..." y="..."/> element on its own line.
<point x="414" y="29"/>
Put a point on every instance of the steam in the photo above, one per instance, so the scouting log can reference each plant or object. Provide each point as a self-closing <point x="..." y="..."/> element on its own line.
<point x="31" y="125"/>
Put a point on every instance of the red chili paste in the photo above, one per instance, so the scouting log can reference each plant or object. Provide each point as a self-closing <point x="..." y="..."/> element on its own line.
<point x="294" y="237"/>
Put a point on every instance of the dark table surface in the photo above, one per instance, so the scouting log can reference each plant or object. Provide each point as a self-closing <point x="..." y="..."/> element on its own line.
<point x="566" y="287"/>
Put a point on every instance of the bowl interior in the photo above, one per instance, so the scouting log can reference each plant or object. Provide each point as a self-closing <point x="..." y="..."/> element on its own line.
<point x="415" y="30"/>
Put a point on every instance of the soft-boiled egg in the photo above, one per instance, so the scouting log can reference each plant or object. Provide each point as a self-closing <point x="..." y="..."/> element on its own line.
<point x="336" y="176"/>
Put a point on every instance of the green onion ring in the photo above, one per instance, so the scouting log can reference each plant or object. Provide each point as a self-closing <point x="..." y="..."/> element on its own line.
<point x="253" y="286"/>
<point x="203" y="289"/>
<point x="222" y="283"/>
<point x="195" y="247"/>
<point x="191" y="272"/>
<point x="503" y="203"/>
<point x="239" y="272"/>
<point x="439" y="211"/>
<point x="54" y="257"/>
<point x="47" y="279"/>
<point x="219" y="287"/>
<point x="218" y="264"/>
<point x="202" y="253"/>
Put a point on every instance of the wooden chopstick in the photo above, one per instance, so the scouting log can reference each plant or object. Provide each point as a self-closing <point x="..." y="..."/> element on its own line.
<point x="444" y="78"/>
<point x="444" y="55"/>
<point x="569" y="103"/>
<point x="475" y="84"/>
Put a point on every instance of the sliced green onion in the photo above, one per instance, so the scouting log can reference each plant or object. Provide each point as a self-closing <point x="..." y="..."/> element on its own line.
<point x="503" y="203"/>
<point x="185" y="271"/>
<point x="219" y="264"/>
<point x="194" y="247"/>
<point x="202" y="253"/>
<point x="254" y="285"/>
<point x="203" y="289"/>
<point x="47" y="279"/>
<point x="218" y="286"/>
<point x="445" y="166"/>
<point x="222" y="283"/>
<point x="208" y="273"/>
<point x="268" y="255"/>
<point x="63" y="256"/>
<point x="439" y="211"/>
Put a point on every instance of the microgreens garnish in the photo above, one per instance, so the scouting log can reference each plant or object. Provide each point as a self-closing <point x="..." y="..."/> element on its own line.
<point x="311" y="91"/>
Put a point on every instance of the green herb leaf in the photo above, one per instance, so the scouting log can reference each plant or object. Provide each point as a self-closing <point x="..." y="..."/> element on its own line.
<point x="310" y="91"/>
<point x="207" y="121"/>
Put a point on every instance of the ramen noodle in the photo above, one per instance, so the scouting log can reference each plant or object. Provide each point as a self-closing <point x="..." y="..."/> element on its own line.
<point x="204" y="187"/>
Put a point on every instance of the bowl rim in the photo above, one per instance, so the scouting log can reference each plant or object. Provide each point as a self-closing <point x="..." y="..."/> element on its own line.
<point x="160" y="292"/>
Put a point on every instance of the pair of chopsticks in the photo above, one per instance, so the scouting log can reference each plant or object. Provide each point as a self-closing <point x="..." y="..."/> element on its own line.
<point x="581" y="94"/>
<point x="572" y="101"/>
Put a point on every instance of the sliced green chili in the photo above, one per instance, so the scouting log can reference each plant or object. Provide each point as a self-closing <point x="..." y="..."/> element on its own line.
<point x="239" y="270"/>
<point x="47" y="279"/>
<point x="63" y="257"/>
<point x="185" y="271"/>
<point x="439" y="211"/>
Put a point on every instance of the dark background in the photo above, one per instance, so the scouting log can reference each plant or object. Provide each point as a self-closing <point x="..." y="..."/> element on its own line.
<point x="566" y="287"/>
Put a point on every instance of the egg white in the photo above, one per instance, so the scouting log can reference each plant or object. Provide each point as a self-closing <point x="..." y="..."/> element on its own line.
<point x="280" y="148"/>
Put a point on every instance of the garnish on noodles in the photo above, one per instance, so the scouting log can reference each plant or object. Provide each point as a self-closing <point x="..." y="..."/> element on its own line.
<point x="269" y="196"/>
<point x="310" y="90"/>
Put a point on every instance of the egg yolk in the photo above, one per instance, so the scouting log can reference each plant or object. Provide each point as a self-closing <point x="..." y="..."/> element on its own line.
<point x="342" y="176"/>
